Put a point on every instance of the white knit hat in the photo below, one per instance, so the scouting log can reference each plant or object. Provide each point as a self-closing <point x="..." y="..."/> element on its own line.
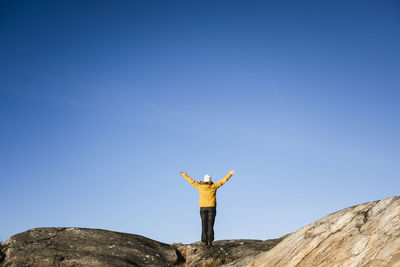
<point x="207" y="178"/>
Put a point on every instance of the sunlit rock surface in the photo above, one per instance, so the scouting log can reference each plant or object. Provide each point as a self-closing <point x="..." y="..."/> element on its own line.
<point x="363" y="235"/>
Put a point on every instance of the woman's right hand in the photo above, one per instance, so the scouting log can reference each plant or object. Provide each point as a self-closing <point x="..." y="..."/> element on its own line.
<point x="232" y="172"/>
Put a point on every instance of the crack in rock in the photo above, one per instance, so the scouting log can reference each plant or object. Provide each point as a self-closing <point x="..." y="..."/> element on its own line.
<point x="57" y="260"/>
<point x="2" y="254"/>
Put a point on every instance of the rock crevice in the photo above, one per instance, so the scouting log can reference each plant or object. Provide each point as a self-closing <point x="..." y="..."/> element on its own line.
<point x="2" y="254"/>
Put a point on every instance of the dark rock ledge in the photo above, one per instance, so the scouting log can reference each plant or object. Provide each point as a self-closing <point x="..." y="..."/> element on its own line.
<point x="85" y="247"/>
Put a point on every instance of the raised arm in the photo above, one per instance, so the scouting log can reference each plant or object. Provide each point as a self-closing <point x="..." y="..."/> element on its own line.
<point x="223" y="180"/>
<point x="190" y="180"/>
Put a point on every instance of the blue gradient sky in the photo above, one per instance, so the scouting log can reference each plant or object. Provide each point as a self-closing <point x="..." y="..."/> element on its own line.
<point x="104" y="102"/>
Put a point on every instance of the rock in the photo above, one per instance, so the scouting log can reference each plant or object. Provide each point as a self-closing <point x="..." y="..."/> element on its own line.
<point x="2" y="255"/>
<point x="85" y="247"/>
<point x="223" y="251"/>
<point x="363" y="235"/>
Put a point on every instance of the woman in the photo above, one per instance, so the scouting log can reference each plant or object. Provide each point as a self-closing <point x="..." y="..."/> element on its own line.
<point x="208" y="203"/>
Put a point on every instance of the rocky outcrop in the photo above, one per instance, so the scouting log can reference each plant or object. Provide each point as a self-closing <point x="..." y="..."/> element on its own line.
<point x="94" y="247"/>
<point x="66" y="247"/>
<point x="223" y="251"/>
<point x="85" y="247"/>
<point x="363" y="235"/>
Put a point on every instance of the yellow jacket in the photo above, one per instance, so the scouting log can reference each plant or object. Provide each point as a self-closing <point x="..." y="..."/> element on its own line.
<point x="207" y="192"/>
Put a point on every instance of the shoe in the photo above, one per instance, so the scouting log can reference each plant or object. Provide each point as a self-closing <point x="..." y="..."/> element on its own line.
<point x="209" y="243"/>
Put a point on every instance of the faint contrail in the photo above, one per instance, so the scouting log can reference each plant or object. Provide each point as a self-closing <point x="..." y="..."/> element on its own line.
<point x="280" y="100"/>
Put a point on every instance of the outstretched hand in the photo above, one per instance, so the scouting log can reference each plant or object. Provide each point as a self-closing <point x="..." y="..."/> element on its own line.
<point x="181" y="173"/>
<point x="232" y="172"/>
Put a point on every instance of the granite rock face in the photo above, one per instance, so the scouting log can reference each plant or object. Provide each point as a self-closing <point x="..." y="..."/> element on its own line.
<point x="85" y="247"/>
<point x="223" y="251"/>
<point x="363" y="235"/>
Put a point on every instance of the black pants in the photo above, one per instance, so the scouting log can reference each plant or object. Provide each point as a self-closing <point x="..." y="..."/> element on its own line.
<point x="207" y="222"/>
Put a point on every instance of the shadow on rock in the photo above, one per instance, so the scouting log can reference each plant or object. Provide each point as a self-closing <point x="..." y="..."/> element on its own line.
<point x="2" y="254"/>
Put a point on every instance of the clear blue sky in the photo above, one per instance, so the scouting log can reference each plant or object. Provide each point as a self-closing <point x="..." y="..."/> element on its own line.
<point x="104" y="102"/>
